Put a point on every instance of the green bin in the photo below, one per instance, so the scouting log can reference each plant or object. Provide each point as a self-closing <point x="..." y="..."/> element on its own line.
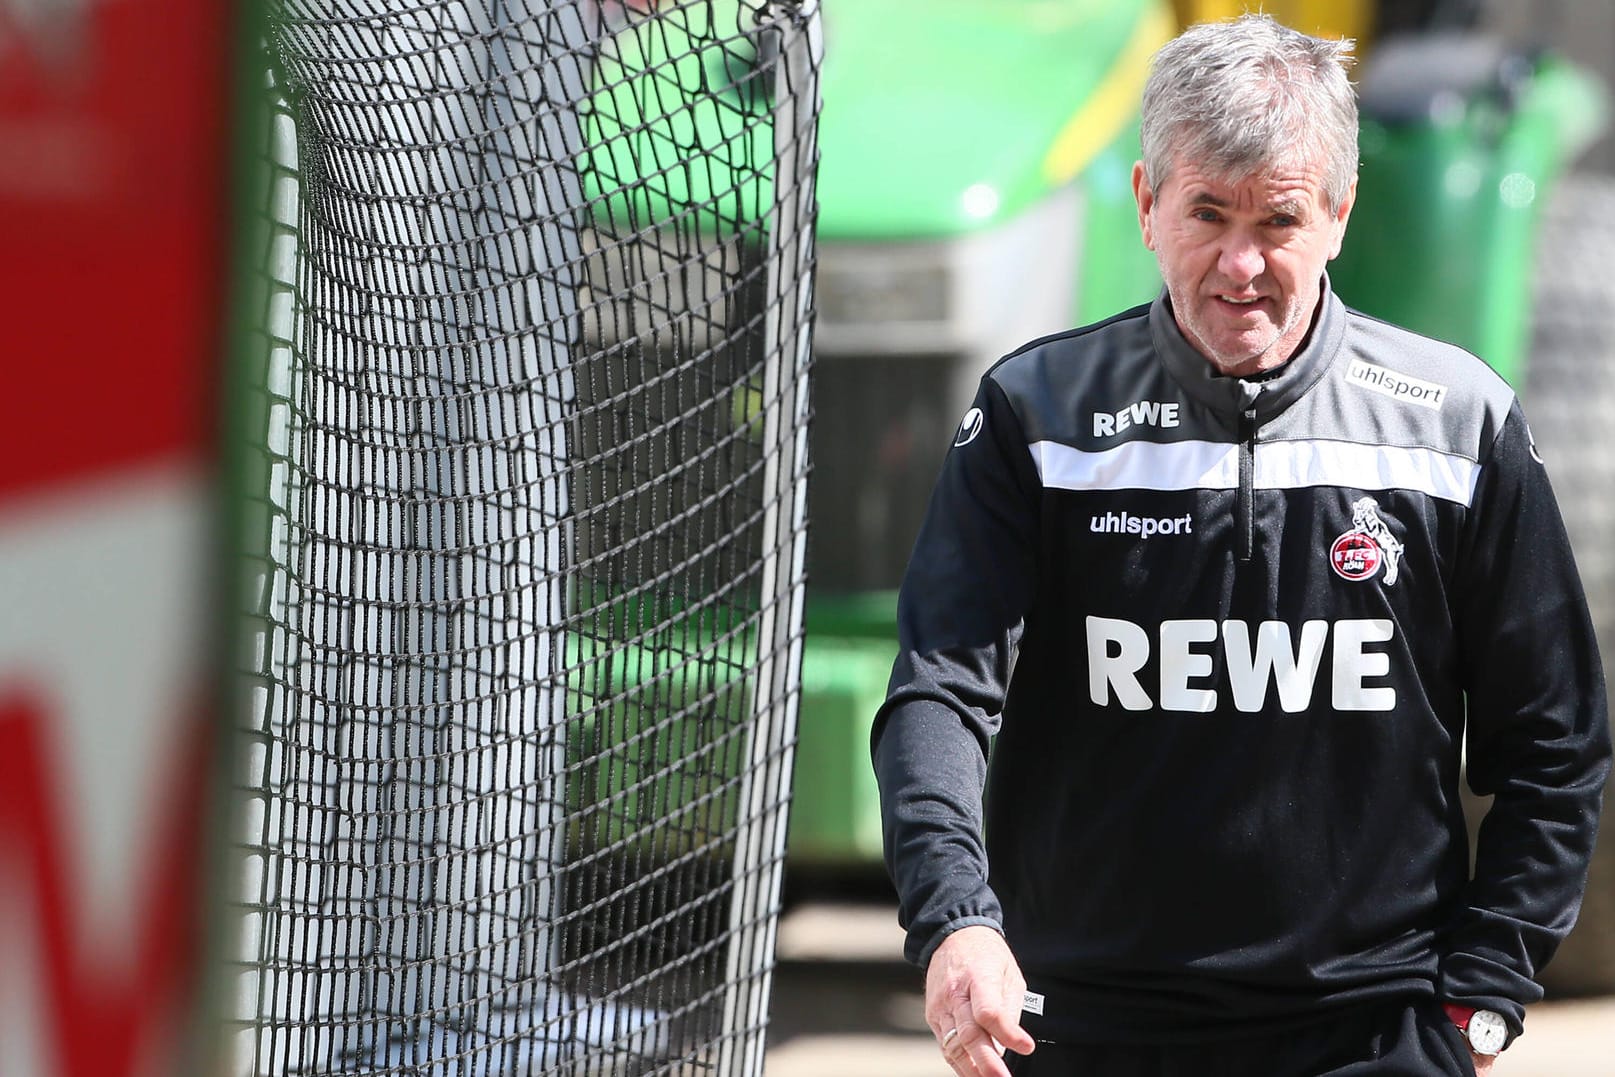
<point x="1461" y="141"/>
<point x="846" y="662"/>
<point x="657" y="750"/>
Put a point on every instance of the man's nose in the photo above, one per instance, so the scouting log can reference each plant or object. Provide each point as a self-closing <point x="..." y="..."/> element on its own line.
<point x="1241" y="259"/>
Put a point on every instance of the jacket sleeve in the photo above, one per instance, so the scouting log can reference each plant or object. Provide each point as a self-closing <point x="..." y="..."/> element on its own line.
<point x="1537" y="731"/>
<point x="960" y="614"/>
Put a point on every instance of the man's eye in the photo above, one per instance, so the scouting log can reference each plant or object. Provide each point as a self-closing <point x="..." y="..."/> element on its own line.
<point x="1282" y="221"/>
<point x="1205" y="215"/>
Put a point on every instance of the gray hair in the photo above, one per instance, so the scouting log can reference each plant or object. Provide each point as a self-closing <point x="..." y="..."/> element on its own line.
<point x="1246" y="95"/>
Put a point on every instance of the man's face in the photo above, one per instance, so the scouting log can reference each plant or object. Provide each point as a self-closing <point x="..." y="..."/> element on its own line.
<point x="1242" y="260"/>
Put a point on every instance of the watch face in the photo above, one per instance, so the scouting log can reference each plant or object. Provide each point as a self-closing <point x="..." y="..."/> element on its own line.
<point x="1487" y="1032"/>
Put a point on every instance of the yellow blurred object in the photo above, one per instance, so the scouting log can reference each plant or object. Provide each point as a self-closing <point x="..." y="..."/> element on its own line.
<point x="1321" y="18"/>
<point x="1113" y="102"/>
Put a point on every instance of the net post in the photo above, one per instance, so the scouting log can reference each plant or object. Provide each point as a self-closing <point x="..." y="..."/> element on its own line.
<point x="444" y="465"/>
<point x="765" y="789"/>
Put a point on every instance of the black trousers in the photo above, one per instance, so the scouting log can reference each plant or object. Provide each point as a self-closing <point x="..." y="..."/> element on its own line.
<point x="1402" y="1040"/>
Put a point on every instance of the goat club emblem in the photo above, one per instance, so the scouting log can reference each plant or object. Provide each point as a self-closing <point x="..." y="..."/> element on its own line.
<point x="1358" y="554"/>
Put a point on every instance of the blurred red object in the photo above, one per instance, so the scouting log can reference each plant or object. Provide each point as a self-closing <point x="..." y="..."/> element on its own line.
<point x="114" y="214"/>
<point x="115" y="224"/>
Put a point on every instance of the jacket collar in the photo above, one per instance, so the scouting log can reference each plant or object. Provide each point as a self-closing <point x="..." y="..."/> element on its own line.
<point x="1232" y="396"/>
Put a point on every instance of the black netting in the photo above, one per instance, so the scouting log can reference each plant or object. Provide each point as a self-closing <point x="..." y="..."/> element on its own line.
<point x="531" y="604"/>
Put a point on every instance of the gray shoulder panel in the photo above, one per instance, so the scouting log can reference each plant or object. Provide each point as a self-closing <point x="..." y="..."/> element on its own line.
<point x="1390" y="386"/>
<point x="1100" y="386"/>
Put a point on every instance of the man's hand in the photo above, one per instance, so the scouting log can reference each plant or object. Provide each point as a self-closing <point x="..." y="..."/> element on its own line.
<point x="1483" y="1063"/>
<point x="973" y="994"/>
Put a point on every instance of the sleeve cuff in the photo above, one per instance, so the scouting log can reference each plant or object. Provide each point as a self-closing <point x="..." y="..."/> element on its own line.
<point x="924" y="956"/>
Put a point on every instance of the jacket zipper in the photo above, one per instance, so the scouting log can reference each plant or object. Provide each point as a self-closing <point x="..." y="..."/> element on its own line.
<point x="1246" y="507"/>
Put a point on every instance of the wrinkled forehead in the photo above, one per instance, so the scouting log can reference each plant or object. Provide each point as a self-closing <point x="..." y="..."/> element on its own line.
<point x="1291" y="175"/>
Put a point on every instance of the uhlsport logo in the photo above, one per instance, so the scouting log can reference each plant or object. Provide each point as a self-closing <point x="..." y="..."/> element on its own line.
<point x="1125" y="523"/>
<point x="1358" y="554"/>
<point x="969" y="428"/>
<point x="1403" y="387"/>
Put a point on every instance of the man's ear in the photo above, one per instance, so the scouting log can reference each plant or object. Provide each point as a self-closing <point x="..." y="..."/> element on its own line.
<point x="1146" y="202"/>
<point x="1341" y="217"/>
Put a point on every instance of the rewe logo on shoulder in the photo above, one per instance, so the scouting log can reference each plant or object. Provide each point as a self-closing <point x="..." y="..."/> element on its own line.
<point x="1143" y="413"/>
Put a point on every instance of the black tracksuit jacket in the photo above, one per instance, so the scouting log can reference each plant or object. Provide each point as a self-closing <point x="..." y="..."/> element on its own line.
<point x="1230" y="635"/>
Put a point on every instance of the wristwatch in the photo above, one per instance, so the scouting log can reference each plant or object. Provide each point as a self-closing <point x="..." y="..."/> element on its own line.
<point x="1486" y="1030"/>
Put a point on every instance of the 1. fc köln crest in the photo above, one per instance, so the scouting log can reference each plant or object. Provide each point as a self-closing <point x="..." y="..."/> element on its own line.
<point x="1359" y="553"/>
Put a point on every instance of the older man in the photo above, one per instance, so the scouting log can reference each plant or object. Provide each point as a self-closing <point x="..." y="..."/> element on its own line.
<point x="1232" y="577"/>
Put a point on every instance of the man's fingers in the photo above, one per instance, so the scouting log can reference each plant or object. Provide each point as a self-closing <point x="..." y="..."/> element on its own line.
<point x="957" y="1053"/>
<point x="1000" y="1018"/>
<point x="973" y="1053"/>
